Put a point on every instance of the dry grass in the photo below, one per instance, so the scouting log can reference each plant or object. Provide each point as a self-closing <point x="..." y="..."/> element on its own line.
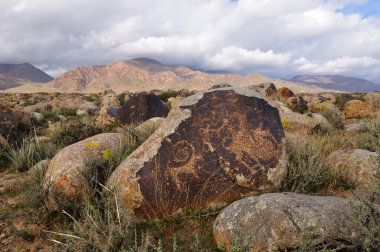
<point x="29" y="153"/>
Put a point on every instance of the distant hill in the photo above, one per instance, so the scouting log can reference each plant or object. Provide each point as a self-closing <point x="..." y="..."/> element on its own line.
<point x="13" y="75"/>
<point x="143" y="74"/>
<point x="338" y="82"/>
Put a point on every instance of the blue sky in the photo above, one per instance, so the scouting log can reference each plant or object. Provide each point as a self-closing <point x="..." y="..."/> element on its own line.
<point x="366" y="9"/>
<point x="279" y="38"/>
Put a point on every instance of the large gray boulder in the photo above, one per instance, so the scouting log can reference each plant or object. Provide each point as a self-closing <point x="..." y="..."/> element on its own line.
<point x="212" y="149"/>
<point x="278" y="221"/>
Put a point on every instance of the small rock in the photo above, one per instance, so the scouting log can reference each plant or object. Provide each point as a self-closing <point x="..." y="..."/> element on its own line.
<point x="43" y="139"/>
<point x="81" y="112"/>
<point x="89" y="107"/>
<point x="151" y="124"/>
<point x="107" y="116"/>
<point x="284" y="93"/>
<point x="62" y="118"/>
<point x="37" y="117"/>
<point x="354" y="126"/>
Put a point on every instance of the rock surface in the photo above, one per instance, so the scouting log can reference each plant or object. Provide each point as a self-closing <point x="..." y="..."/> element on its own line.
<point x="90" y="107"/>
<point x="65" y="176"/>
<point x="358" y="168"/>
<point x="110" y="100"/>
<point x="277" y="221"/>
<point x="107" y="116"/>
<point x="373" y="100"/>
<point x="284" y="93"/>
<point x="82" y="112"/>
<point x="356" y="109"/>
<point x="151" y="124"/>
<point x="141" y="107"/>
<point x="215" y="147"/>
<point x="37" y="117"/>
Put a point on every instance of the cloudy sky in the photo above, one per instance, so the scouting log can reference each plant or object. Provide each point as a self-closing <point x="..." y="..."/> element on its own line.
<point x="276" y="37"/>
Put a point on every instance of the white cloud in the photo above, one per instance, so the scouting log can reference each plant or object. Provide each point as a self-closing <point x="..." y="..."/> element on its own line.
<point x="278" y="37"/>
<point x="238" y="59"/>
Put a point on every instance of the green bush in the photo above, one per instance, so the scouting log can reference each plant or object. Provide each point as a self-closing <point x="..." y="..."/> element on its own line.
<point x="69" y="133"/>
<point x="341" y="99"/>
<point x="333" y="118"/>
<point x="32" y="187"/>
<point x="50" y="114"/>
<point x="298" y="104"/>
<point x="306" y="171"/>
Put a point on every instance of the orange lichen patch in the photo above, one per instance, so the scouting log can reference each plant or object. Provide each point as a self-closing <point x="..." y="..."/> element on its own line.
<point x="91" y="144"/>
<point x="356" y="109"/>
<point x="128" y="199"/>
<point x="62" y="181"/>
<point x="72" y="193"/>
<point x="223" y="241"/>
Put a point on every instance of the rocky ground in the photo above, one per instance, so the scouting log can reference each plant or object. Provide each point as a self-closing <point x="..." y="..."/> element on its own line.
<point x="236" y="169"/>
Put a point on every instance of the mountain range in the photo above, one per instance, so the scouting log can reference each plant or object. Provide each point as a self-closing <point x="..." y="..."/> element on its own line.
<point x="13" y="75"/>
<point x="143" y="74"/>
<point x="338" y="82"/>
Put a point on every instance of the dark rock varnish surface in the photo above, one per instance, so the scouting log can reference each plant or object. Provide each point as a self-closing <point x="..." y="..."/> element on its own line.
<point x="141" y="107"/>
<point x="214" y="148"/>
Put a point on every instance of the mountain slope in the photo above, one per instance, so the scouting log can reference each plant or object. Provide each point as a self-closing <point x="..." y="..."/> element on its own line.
<point x="338" y="82"/>
<point x="15" y="75"/>
<point x="145" y="74"/>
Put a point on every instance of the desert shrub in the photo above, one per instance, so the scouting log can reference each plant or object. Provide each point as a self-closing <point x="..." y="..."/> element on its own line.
<point x="333" y="118"/>
<point x="165" y="95"/>
<point x="298" y="104"/>
<point x="321" y="129"/>
<point x="366" y="216"/>
<point x="29" y="153"/>
<point x="69" y="133"/>
<point x="306" y="171"/>
<point x="15" y="133"/>
<point x="341" y="99"/>
<point x="50" y="114"/>
<point x="92" y="98"/>
<point x="34" y="195"/>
